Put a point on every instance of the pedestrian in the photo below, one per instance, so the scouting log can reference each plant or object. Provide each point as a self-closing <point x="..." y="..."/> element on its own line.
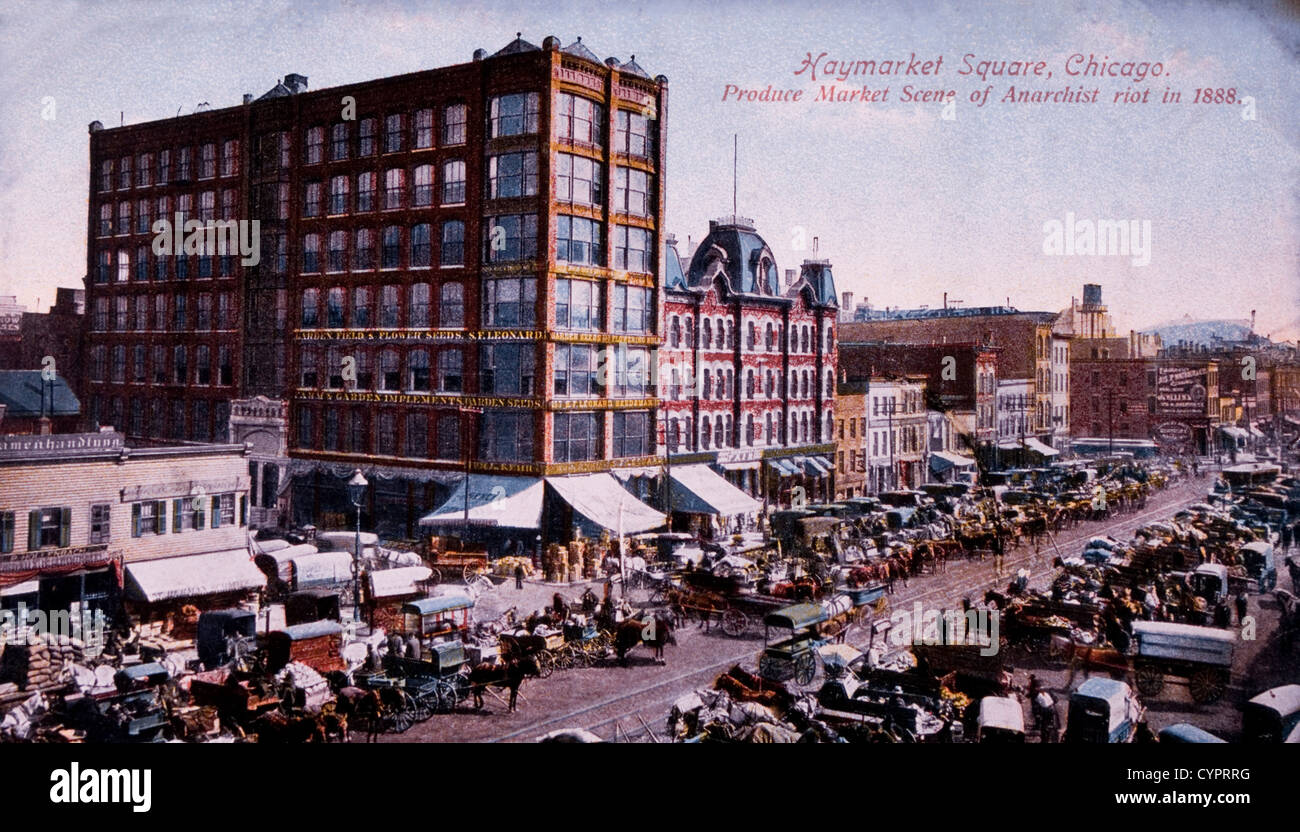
<point x="519" y="576"/>
<point x="997" y="553"/>
<point x="1241" y="607"/>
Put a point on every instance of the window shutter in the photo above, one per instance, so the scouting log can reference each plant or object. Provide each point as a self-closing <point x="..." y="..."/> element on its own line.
<point x="33" y="530"/>
<point x="160" y="516"/>
<point x="216" y="511"/>
<point x="243" y="510"/>
<point x="135" y="519"/>
<point x="177" y="507"/>
<point x="65" y="526"/>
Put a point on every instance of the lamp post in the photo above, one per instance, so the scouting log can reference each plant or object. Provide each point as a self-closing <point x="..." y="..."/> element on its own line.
<point x="357" y="492"/>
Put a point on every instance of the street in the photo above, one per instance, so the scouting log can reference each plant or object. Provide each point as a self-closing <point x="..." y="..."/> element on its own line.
<point x="618" y="703"/>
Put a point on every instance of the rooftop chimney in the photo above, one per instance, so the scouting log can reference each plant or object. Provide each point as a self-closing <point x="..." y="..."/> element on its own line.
<point x="248" y="98"/>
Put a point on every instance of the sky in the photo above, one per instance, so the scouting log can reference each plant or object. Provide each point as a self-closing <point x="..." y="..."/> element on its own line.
<point x="905" y="202"/>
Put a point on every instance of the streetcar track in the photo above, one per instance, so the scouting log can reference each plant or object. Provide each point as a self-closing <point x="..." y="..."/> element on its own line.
<point x="971" y="570"/>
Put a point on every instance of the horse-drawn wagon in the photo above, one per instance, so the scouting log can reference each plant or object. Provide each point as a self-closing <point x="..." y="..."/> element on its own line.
<point x="451" y="557"/>
<point x="1202" y="655"/>
<point x="792" y="639"/>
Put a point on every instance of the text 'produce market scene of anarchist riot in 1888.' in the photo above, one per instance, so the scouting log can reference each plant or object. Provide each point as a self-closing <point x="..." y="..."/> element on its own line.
<point x="910" y="384"/>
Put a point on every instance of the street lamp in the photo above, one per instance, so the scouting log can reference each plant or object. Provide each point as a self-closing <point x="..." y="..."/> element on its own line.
<point x="356" y="492"/>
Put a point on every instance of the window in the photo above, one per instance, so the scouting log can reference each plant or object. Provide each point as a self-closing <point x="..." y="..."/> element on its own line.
<point x="510" y="238"/>
<point x="578" y="305"/>
<point x="631" y="433"/>
<point x="338" y="249"/>
<point x="208" y="161"/>
<point x="390" y="374"/>
<point x="160" y="313"/>
<point x="633" y="249"/>
<point x="106" y="219"/>
<point x="366" y="191"/>
<point x="148" y="518"/>
<point x="311" y="199"/>
<point x="183" y="171"/>
<point x="448" y="438"/>
<point x="631" y="372"/>
<point x="512" y="175"/>
<point x="203" y="312"/>
<point x="510" y="302"/>
<point x="576" y="437"/>
<point x="634" y="134"/>
<point x="578" y="119"/>
<point x="306" y="430"/>
<point x="106" y="175"/>
<point x="421" y="247"/>
<point x="393" y="133"/>
<point x="417" y="371"/>
<point x="631" y="309"/>
<point x="390" y="248"/>
<point x="359" y="438"/>
<point x="119" y="363"/>
<point x="230" y="157"/>
<point x="141" y="313"/>
<point x="394" y="188"/>
<point x="453" y="182"/>
<point x="225" y="367"/>
<point x="180" y="365"/>
<point x="363" y="252"/>
<point x="311" y="253"/>
<point x="142" y="216"/>
<point x="417" y="435"/>
<point x="450" y="368"/>
<point x="631" y="192"/>
<point x="315" y="145"/>
<point x="339" y="141"/>
<point x="452" y="252"/>
<point x="423" y="194"/>
<point x="453" y="124"/>
<point x="418" y="309"/>
<point x="334" y="308"/>
<point x="575" y="370"/>
<point x="365" y="378"/>
<point x="506" y="436"/>
<point x="203" y="364"/>
<point x="180" y="316"/>
<point x="124" y="173"/>
<point x="388" y="433"/>
<point x="507" y="369"/>
<point x="388" y="306"/>
<point x="367" y="144"/>
<point x="578" y="180"/>
<point x="514" y="115"/>
<point x="123" y="218"/>
<point x="338" y="195"/>
<point x="451" y="305"/>
<point x="310" y="303"/>
<point x="423" y="129"/>
<point x="579" y="240"/>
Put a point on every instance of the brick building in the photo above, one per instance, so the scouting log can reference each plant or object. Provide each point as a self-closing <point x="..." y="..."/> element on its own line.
<point x="55" y="334"/>
<point x="475" y="237"/>
<point x="747" y="373"/>
<point x="1175" y="402"/>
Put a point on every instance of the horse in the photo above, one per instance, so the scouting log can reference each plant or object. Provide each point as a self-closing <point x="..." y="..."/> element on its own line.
<point x="1088" y="658"/>
<point x="366" y="709"/>
<point x="632" y="632"/>
<point x="507" y="673"/>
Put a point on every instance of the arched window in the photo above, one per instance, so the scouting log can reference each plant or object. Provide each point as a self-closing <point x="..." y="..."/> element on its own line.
<point x="768" y="341"/>
<point x="674" y="332"/>
<point x="731" y="335"/>
<point x="767" y="428"/>
<point x="451" y="305"/>
<point x="722" y="334"/>
<point x="718" y="440"/>
<point x="706" y="435"/>
<point x="749" y="429"/>
<point x="707" y="333"/>
<point x="690" y="333"/>
<point x="708" y="378"/>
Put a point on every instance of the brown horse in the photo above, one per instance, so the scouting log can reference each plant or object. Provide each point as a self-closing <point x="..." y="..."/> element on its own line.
<point x="633" y="631"/>
<point x="508" y="673"/>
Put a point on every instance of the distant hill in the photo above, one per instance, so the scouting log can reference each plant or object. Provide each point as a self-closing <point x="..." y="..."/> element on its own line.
<point x="1200" y="332"/>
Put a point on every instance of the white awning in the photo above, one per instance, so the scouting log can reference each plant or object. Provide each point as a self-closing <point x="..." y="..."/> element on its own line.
<point x="193" y="575"/>
<point x="1044" y="449"/>
<point x="24" y="588"/>
<point x="752" y="465"/>
<point x="1234" y="431"/>
<point x="943" y="460"/>
<point x="598" y="497"/>
<point x="625" y="474"/>
<point x="390" y="583"/>
<point x="322" y="568"/>
<point x="514" y="502"/>
<point x="697" y="489"/>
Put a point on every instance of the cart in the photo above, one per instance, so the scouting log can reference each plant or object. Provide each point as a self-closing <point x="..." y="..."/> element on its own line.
<point x="1202" y="655"/>
<point x="584" y="645"/>
<point x="792" y="638"/>
<point x="541" y="648"/>
<point x="450" y="557"/>
<point x="439" y="615"/>
<point x="436" y="682"/>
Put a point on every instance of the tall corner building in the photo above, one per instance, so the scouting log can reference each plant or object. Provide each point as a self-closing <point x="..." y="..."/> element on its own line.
<point x="458" y="267"/>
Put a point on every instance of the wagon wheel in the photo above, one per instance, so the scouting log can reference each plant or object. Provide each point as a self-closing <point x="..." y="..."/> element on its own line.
<point x="882" y="606"/>
<point x="470" y="571"/>
<point x="734" y="622"/>
<point x="563" y="659"/>
<point x="435" y="577"/>
<point x="580" y="659"/>
<point x="723" y="570"/>
<point x="805" y="668"/>
<point x="1150" y="680"/>
<point x="545" y="663"/>
<point x="1208" y="685"/>
<point x="447" y="696"/>
<point x="419" y="709"/>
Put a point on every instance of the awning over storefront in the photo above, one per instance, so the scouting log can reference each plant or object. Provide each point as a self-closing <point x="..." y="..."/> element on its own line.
<point x="1235" y="432"/>
<point x="941" y="461"/>
<point x="751" y="465"/>
<point x="1042" y="448"/>
<point x="24" y="588"/>
<point x="391" y="583"/>
<point x="816" y="466"/>
<point x="322" y="569"/>
<point x="625" y="474"/>
<point x="513" y="502"/>
<point x="784" y="467"/>
<point x="697" y="489"/>
<point x="193" y="575"/>
<point x="601" y="499"/>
